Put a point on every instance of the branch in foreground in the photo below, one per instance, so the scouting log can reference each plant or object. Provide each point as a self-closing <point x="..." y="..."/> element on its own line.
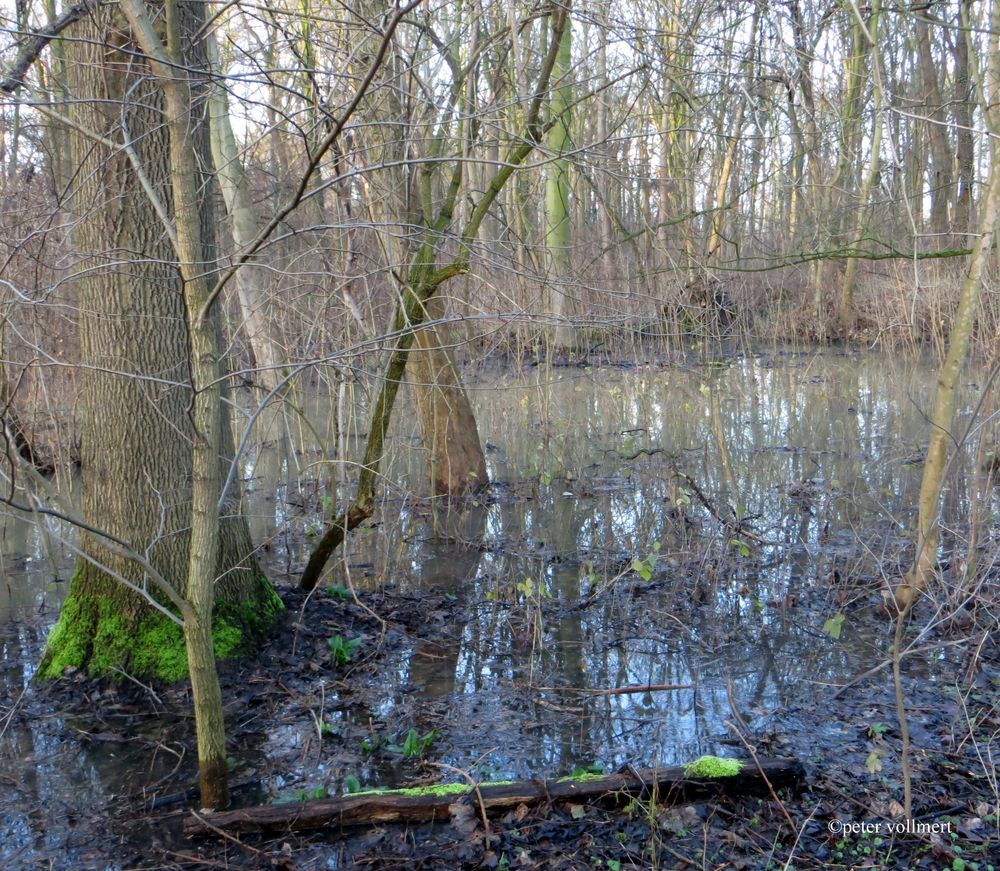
<point x="435" y="803"/>
<point x="37" y="40"/>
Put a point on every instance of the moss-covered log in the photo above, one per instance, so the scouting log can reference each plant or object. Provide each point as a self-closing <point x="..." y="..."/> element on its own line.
<point x="706" y="776"/>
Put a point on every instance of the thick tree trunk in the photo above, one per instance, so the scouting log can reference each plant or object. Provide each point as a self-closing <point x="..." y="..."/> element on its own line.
<point x="457" y="463"/>
<point x="138" y="433"/>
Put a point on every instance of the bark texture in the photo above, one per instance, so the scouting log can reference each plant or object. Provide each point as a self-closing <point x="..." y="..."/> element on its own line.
<point x="138" y="433"/>
<point x="562" y="302"/>
<point x="928" y="530"/>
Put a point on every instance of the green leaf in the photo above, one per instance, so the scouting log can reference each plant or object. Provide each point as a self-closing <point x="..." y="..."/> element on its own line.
<point x="414" y="744"/>
<point x="351" y="784"/>
<point x="343" y="650"/>
<point x="874" y="762"/>
<point x="833" y="626"/>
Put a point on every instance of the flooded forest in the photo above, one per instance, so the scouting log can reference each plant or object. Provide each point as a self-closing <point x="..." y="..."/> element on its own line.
<point x="521" y="435"/>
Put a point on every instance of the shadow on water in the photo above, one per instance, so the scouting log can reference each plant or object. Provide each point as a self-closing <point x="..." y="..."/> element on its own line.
<point x="693" y="524"/>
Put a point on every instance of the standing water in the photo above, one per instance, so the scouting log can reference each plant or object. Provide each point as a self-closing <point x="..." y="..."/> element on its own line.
<point x="658" y="557"/>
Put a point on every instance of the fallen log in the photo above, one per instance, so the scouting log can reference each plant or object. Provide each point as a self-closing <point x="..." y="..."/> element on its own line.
<point x="707" y="776"/>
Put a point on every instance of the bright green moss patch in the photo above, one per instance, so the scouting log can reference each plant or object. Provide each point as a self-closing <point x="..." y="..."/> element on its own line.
<point x="66" y="648"/>
<point x="581" y="778"/>
<point x="433" y="789"/>
<point x="253" y="618"/>
<point x="707" y="767"/>
<point x="160" y="650"/>
<point x="95" y="635"/>
<point x="456" y="788"/>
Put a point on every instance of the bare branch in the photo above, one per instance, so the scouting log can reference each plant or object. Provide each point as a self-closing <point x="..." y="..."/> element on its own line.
<point x="37" y="40"/>
<point x="324" y="147"/>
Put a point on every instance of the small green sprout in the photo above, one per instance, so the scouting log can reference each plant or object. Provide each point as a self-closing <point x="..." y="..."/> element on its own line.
<point x="342" y="650"/>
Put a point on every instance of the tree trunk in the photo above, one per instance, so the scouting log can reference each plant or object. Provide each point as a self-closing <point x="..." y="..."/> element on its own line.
<point x="966" y="149"/>
<point x="137" y="435"/>
<point x="423" y="280"/>
<point x="250" y="280"/>
<point x="562" y="295"/>
<point x="603" y="188"/>
<point x="804" y="50"/>
<point x="457" y="463"/>
<point x="937" y="133"/>
<point x="714" y="244"/>
<point x="846" y="308"/>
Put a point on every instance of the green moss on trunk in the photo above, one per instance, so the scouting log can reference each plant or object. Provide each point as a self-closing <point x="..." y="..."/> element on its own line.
<point x="96" y="635"/>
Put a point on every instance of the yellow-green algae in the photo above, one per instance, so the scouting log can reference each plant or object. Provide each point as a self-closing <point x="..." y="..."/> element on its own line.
<point x="433" y="789"/>
<point x="102" y="641"/>
<point x="707" y="767"/>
